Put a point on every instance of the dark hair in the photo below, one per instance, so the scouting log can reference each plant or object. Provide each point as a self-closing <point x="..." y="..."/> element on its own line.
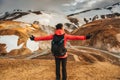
<point x="36" y="22"/>
<point x="59" y="26"/>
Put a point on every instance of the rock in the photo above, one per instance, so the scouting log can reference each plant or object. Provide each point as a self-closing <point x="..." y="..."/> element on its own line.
<point x="22" y="51"/>
<point x="3" y="49"/>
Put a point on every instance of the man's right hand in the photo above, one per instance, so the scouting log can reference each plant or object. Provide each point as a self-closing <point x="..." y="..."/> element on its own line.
<point x="32" y="37"/>
<point x="88" y="36"/>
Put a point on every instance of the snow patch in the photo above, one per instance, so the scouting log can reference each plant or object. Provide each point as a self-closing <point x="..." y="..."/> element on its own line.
<point x="10" y="41"/>
<point x="116" y="9"/>
<point x="24" y="25"/>
<point x="1" y="14"/>
<point x="91" y="14"/>
<point x="113" y="49"/>
<point x="118" y="37"/>
<point x="32" y="45"/>
<point x="44" y="19"/>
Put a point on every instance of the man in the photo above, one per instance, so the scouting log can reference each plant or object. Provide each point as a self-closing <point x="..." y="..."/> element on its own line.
<point x="61" y="59"/>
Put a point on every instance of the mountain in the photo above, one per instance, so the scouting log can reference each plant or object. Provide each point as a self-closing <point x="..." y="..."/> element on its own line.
<point x="29" y="17"/>
<point x="44" y="18"/>
<point x="96" y="12"/>
<point x="19" y="25"/>
<point x="14" y="37"/>
<point x="97" y="58"/>
<point x="105" y="34"/>
<point x="52" y="18"/>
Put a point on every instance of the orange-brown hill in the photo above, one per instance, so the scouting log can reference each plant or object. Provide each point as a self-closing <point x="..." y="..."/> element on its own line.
<point x="105" y="34"/>
<point x="23" y="31"/>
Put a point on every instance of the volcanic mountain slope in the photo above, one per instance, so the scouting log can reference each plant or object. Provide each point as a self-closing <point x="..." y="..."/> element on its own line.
<point x="44" y="18"/>
<point x="16" y="15"/>
<point x="14" y="37"/>
<point x="105" y="34"/>
<point x="96" y="13"/>
<point x="10" y="30"/>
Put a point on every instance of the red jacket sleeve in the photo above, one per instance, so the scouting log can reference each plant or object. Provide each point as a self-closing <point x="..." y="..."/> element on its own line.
<point x="49" y="37"/>
<point x="74" y="37"/>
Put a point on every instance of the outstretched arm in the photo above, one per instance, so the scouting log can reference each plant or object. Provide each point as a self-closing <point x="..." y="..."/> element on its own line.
<point x="74" y="37"/>
<point x="49" y="37"/>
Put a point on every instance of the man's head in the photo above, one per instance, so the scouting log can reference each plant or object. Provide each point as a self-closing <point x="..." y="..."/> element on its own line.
<point x="59" y="26"/>
<point x="36" y="22"/>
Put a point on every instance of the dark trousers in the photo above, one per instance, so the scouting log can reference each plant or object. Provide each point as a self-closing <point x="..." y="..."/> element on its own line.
<point x="58" y="61"/>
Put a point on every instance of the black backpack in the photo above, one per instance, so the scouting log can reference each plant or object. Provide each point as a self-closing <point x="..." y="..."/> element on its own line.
<point x="57" y="45"/>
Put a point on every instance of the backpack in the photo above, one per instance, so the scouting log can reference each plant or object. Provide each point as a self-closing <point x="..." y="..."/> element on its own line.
<point x="57" y="45"/>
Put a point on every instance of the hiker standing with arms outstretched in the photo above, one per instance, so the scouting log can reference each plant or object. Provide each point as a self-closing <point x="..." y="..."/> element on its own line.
<point x="59" y="39"/>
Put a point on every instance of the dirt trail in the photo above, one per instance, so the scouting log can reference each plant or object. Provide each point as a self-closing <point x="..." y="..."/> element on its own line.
<point x="35" y="54"/>
<point x="75" y="57"/>
<point x="106" y="52"/>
